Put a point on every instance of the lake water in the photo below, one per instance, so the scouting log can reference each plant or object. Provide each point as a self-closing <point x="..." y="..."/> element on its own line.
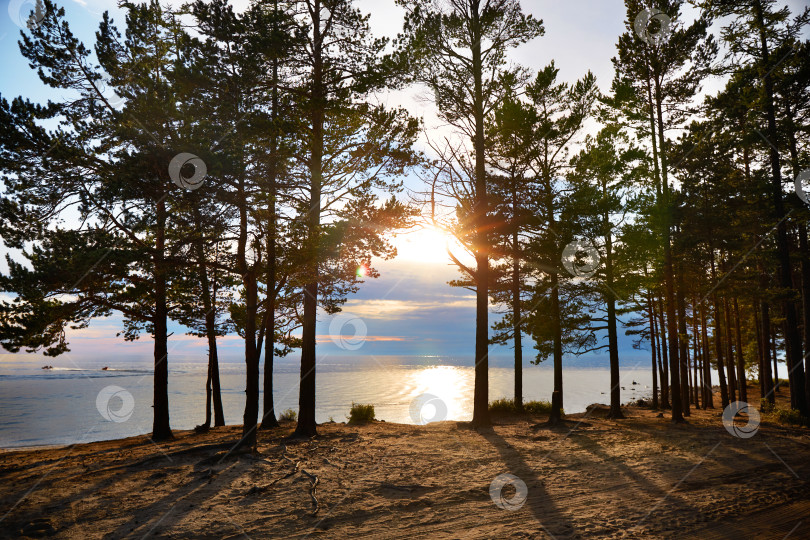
<point x="68" y="404"/>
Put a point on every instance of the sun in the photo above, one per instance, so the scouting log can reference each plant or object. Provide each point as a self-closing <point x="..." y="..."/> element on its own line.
<point x="427" y="244"/>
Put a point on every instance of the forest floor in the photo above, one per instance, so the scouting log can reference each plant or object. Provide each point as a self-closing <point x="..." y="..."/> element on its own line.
<point x="641" y="477"/>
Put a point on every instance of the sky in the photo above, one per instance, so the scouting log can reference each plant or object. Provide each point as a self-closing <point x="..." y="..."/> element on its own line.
<point x="409" y="309"/>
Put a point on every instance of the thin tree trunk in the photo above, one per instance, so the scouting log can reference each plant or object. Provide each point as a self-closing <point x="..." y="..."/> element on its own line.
<point x="269" y="414"/>
<point x="696" y="353"/>
<point x="251" y="412"/>
<point x="269" y="420"/>
<point x="732" y="377"/>
<point x="741" y="379"/>
<point x="718" y="342"/>
<point x="665" y="351"/>
<point x="766" y="343"/>
<point x="516" y="313"/>
<point x="160" y="424"/>
<point x="791" y="327"/>
<point x="653" y="337"/>
<point x="659" y="194"/>
<point x="776" y="383"/>
<point x="683" y="346"/>
<point x="805" y="304"/>
<point x="669" y="276"/>
<point x="212" y="386"/>
<point x="708" y="395"/>
<point x="613" y="347"/>
<point x="760" y="358"/>
<point x="481" y="211"/>
<point x="557" y="395"/>
<point x="804" y="253"/>
<point x="613" y="340"/>
<point x="306" y="426"/>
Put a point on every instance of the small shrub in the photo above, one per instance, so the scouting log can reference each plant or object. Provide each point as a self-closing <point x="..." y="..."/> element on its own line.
<point x="539" y="407"/>
<point x="288" y="415"/>
<point x="507" y="406"/>
<point x="502" y="405"/>
<point x="765" y="406"/>
<point x="788" y="416"/>
<point x="361" y="414"/>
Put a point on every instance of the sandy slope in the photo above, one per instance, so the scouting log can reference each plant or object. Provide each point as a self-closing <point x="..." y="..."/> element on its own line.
<point x="593" y="478"/>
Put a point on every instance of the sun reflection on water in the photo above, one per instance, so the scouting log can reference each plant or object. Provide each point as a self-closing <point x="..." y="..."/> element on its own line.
<point x="451" y="384"/>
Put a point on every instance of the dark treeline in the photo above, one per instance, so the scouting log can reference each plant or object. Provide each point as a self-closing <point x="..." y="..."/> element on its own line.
<point x="236" y="173"/>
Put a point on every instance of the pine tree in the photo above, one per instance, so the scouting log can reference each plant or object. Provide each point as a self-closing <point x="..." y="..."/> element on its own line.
<point x="459" y="51"/>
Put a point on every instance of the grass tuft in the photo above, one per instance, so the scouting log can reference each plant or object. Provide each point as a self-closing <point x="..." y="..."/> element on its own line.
<point x="288" y="415"/>
<point x="361" y="414"/>
<point x="507" y="406"/>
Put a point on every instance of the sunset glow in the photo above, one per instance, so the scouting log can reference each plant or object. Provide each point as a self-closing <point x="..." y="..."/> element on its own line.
<point x="428" y="245"/>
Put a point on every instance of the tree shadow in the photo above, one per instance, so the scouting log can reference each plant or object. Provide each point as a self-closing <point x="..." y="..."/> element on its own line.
<point x="166" y="511"/>
<point x="552" y="520"/>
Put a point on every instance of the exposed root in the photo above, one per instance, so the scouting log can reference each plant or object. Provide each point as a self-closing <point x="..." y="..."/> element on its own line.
<point x="293" y="472"/>
<point x="296" y="468"/>
<point x="313" y="478"/>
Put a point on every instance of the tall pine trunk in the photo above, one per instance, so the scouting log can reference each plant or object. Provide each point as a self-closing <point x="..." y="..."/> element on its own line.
<point x="268" y="411"/>
<point x="708" y="395"/>
<point x="664" y="350"/>
<point x="683" y="347"/>
<point x="557" y="393"/>
<point x="481" y="211"/>
<point x="306" y="426"/>
<point x="653" y="337"/>
<point x="212" y="385"/>
<point x="696" y="354"/>
<point x="760" y="358"/>
<point x="669" y="276"/>
<point x="516" y="311"/>
<point x="251" y="413"/>
<point x="730" y="364"/>
<point x="160" y="403"/>
<point x="613" y="342"/>
<point x="805" y="256"/>
<point x="718" y="343"/>
<point x="793" y="345"/>
<point x="740" y="358"/>
<point x="805" y="304"/>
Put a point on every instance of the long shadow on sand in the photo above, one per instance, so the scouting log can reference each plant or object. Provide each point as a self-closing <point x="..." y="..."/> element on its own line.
<point x="550" y="518"/>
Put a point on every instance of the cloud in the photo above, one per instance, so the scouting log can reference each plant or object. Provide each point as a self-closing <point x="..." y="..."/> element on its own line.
<point x="327" y="338"/>
<point x="404" y="309"/>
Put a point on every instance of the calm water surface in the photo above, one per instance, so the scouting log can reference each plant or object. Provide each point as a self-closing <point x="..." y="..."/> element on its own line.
<point x="61" y="406"/>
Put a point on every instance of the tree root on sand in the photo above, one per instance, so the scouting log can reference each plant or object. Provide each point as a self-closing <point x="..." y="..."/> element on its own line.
<point x="313" y="478"/>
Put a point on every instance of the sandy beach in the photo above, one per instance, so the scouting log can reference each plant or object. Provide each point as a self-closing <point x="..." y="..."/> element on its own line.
<point x="641" y="477"/>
